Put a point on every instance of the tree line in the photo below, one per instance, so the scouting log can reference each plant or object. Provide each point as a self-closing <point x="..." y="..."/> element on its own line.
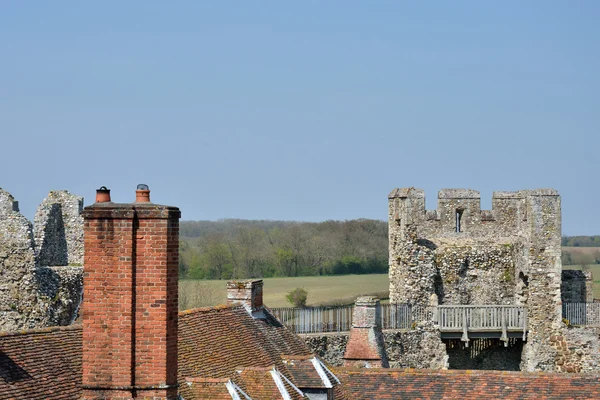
<point x="237" y="249"/>
<point x="581" y="241"/>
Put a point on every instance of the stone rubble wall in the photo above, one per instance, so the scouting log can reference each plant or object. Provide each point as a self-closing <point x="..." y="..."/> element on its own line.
<point x="34" y="292"/>
<point x="459" y="254"/>
<point x="58" y="230"/>
<point x="577" y="287"/>
<point x="577" y="349"/>
<point x="420" y="348"/>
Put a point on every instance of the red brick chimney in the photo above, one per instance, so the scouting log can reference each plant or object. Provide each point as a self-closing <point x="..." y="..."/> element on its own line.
<point x="130" y="301"/>
<point x="365" y="346"/>
<point x="249" y="293"/>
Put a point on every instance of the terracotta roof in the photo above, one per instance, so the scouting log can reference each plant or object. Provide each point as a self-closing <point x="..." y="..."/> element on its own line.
<point x="215" y="342"/>
<point x="267" y="384"/>
<point x="213" y="389"/>
<point x="465" y="385"/>
<point x="41" y="363"/>
<point x="305" y="372"/>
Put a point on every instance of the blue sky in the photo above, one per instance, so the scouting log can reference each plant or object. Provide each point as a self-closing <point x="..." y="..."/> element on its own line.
<point x="300" y="110"/>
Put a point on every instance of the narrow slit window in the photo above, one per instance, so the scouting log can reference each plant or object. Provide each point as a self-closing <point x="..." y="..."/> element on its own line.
<point x="459" y="214"/>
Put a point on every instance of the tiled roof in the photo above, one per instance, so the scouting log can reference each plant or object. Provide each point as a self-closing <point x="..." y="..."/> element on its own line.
<point x="305" y="372"/>
<point x="465" y="385"/>
<point x="213" y="389"/>
<point x="41" y="364"/>
<point x="215" y="342"/>
<point x="266" y="384"/>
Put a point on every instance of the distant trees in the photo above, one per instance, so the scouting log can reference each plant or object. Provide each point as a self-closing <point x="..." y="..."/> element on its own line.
<point x="581" y="241"/>
<point x="236" y="249"/>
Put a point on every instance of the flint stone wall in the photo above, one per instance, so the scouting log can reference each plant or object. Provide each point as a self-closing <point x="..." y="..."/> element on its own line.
<point x="421" y="348"/>
<point x="459" y="254"/>
<point x="577" y="350"/>
<point x="33" y="295"/>
<point x="577" y="287"/>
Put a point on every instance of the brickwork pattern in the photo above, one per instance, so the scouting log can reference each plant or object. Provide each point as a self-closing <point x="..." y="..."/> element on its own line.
<point x="130" y="301"/>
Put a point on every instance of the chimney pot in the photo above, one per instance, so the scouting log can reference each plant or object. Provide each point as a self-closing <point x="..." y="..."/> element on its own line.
<point x="102" y="195"/>
<point x="142" y="194"/>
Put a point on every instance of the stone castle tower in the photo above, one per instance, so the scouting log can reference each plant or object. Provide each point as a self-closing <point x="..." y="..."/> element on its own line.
<point x="459" y="254"/>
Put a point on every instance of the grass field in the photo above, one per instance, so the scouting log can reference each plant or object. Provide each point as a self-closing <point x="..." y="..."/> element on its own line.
<point x="321" y="290"/>
<point x="581" y="250"/>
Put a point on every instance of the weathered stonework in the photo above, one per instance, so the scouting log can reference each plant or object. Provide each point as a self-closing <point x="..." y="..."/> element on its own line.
<point x="35" y="294"/>
<point x="58" y="230"/>
<point x="459" y="254"/>
<point x="577" y="287"/>
<point x="577" y="350"/>
<point x="420" y="348"/>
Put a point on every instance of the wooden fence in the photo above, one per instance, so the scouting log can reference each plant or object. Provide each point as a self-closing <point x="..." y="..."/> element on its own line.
<point x="465" y="319"/>
<point x="582" y="313"/>
<point x="315" y="319"/>
<point x="339" y="319"/>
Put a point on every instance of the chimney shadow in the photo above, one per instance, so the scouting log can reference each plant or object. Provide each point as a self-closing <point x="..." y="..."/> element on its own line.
<point x="10" y="371"/>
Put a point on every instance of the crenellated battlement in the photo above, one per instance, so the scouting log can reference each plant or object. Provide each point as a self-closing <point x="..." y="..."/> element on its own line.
<point x="459" y="210"/>
<point x="459" y="254"/>
<point x="41" y="263"/>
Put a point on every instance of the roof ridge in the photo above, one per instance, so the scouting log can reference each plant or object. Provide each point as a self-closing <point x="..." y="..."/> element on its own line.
<point x="219" y="307"/>
<point x="206" y="380"/>
<point x="472" y="372"/>
<point x="47" y="329"/>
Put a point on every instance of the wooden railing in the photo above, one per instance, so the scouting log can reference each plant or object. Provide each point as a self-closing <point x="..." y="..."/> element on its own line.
<point x="396" y="316"/>
<point x="339" y="319"/>
<point x="482" y="319"/>
<point x="316" y="319"/>
<point x="582" y="313"/>
<point x="500" y="320"/>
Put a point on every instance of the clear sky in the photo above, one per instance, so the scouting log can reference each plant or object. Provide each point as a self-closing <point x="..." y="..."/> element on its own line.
<point x="304" y="110"/>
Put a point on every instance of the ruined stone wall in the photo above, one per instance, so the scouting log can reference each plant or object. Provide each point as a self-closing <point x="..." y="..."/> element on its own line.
<point x="418" y="348"/>
<point x="577" y="350"/>
<point x="462" y="255"/>
<point x="58" y="228"/>
<point x="577" y="286"/>
<point x="423" y="348"/>
<point x="35" y="289"/>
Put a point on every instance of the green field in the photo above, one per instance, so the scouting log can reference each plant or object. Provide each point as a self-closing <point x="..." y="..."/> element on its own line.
<point x="321" y="290"/>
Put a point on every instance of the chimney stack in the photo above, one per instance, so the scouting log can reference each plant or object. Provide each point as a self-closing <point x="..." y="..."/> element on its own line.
<point x="249" y="293"/>
<point x="130" y="301"/>
<point x="365" y="346"/>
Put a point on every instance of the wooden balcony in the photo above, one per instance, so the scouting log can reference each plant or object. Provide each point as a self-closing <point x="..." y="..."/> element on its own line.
<point x="482" y="321"/>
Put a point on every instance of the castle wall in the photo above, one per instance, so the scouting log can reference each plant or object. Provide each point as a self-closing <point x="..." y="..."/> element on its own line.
<point x="577" y="286"/>
<point x="34" y="295"/>
<point x="420" y="348"/>
<point x="423" y="348"/>
<point x="462" y="255"/>
<point x="58" y="229"/>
